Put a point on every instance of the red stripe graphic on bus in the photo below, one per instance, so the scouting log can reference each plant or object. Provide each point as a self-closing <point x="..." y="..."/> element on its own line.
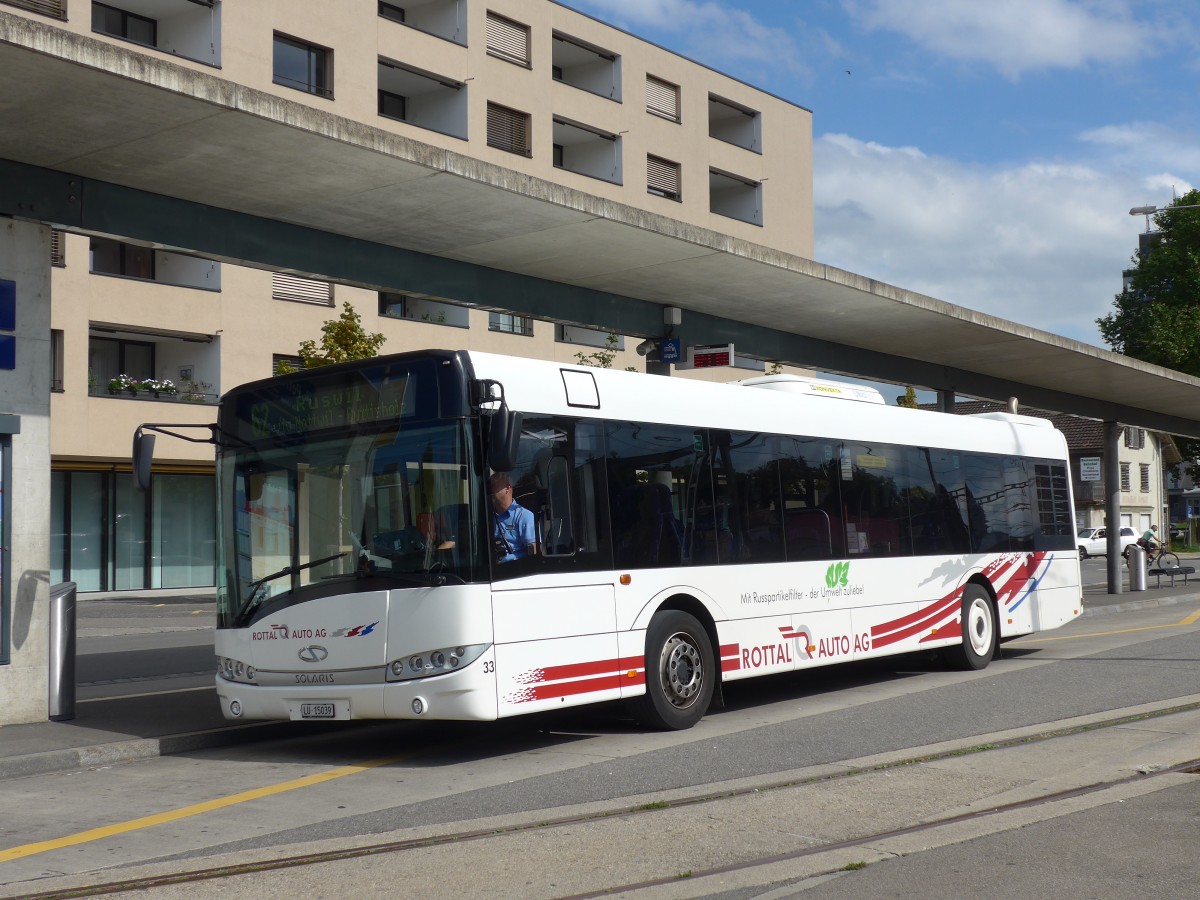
<point x="578" y="678"/>
<point x="940" y="619"/>
<point x="731" y="657"/>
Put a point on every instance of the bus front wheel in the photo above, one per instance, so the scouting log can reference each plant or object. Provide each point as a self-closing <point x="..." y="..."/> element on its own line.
<point x="979" y="631"/>
<point x="680" y="672"/>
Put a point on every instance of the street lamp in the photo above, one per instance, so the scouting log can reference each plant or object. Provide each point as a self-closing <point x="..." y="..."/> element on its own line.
<point x="1148" y="211"/>
<point x="1151" y="210"/>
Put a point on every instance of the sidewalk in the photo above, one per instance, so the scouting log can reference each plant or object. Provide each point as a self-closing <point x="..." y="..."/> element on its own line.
<point x="119" y="729"/>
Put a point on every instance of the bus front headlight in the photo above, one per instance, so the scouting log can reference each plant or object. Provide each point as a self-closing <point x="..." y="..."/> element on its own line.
<point x="434" y="662"/>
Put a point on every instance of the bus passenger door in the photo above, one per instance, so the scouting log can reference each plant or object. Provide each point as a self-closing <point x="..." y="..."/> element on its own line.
<point x="555" y="647"/>
<point x="554" y="612"/>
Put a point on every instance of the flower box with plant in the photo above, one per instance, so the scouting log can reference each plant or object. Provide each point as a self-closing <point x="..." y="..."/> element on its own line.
<point x="159" y="386"/>
<point x="123" y="383"/>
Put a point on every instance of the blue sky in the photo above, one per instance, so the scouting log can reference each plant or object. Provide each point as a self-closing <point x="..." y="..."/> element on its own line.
<point x="984" y="152"/>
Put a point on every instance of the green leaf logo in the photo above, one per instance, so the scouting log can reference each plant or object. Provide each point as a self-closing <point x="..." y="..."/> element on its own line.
<point x="837" y="575"/>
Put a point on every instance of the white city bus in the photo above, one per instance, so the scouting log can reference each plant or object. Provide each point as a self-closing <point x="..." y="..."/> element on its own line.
<point x="690" y="534"/>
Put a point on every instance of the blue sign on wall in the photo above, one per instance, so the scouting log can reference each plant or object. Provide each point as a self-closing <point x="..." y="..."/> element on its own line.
<point x="8" y="305"/>
<point x="8" y="322"/>
<point x="670" y="350"/>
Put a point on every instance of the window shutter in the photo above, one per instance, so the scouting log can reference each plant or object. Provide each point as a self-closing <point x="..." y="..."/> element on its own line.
<point x="55" y="8"/>
<point x="662" y="177"/>
<point x="303" y="290"/>
<point x="58" y="250"/>
<point x="508" y="39"/>
<point x="507" y="129"/>
<point x="662" y="98"/>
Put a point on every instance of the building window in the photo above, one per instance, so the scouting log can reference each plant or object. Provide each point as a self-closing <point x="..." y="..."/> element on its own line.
<point x="58" y="248"/>
<point x="119" y="23"/>
<point x="585" y="66"/>
<point x="393" y="306"/>
<point x="391" y="11"/>
<point x="1125" y="486"/>
<point x="393" y="106"/>
<point x="282" y="364"/>
<point x="109" y="257"/>
<point x="737" y="198"/>
<point x="662" y="98"/>
<point x="510" y="324"/>
<point x="422" y="309"/>
<point x="733" y="123"/>
<point x="107" y="534"/>
<point x="508" y="40"/>
<point x="586" y="150"/>
<point x="662" y="178"/>
<point x="508" y="129"/>
<point x="1145" y="467"/>
<point x="423" y="99"/>
<point x="305" y="67"/>
<point x="56" y="361"/>
<point x="301" y="290"/>
<point x="1135" y="438"/>
<point x="56" y="9"/>
<point x="110" y="357"/>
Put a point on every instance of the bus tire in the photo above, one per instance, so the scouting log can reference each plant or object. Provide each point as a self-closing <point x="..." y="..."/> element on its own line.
<point x="978" y="631"/>
<point x="680" y="673"/>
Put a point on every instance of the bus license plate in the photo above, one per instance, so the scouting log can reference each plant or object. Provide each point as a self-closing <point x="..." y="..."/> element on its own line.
<point x="317" y="711"/>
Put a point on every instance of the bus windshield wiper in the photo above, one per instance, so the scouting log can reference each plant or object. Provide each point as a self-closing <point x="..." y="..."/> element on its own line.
<point x="255" y="587"/>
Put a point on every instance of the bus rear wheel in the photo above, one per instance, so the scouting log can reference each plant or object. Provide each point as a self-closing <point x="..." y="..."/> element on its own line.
<point x="680" y="672"/>
<point x="978" y="631"/>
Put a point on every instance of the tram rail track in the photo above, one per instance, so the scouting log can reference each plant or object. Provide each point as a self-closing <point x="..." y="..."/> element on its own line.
<point x="636" y="812"/>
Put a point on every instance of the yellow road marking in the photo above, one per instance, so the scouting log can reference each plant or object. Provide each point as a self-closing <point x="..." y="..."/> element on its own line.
<point x="1038" y="639"/>
<point x="96" y="834"/>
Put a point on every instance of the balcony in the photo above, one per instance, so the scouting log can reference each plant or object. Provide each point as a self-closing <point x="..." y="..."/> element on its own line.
<point x="190" y="29"/>
<point x="131" y="364"/>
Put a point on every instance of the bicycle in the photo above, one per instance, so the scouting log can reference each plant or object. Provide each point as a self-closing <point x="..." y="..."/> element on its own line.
<point x="1158" y="554"/>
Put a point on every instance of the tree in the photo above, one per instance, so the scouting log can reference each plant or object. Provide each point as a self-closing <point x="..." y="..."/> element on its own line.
<point x="342" y="339"/>
<point x="909" y="400"/>
<point x="603" y="358"/>
<point x="1157" y="317"/>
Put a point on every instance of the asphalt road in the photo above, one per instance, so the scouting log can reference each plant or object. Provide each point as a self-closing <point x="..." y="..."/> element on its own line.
<point x="356" y="784"/>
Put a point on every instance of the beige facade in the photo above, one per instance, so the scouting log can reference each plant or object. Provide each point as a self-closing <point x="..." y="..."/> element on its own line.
<point x="583" y="81"/>
<point x="539" y="90"/>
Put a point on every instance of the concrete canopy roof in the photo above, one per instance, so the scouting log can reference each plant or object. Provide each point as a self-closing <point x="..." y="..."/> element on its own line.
<point x="109" y="115"/>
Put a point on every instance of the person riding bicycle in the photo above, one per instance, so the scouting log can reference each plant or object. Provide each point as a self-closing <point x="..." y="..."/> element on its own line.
<point x="1149" y="541"/>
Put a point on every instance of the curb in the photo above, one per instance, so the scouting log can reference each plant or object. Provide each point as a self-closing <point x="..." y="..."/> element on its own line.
<point x="69" y="758"/>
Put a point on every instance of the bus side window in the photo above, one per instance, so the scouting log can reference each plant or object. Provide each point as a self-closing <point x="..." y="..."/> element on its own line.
<point x="812" y="504"/>
<point x="557" y="533"/>
<point x="747" y="469"/>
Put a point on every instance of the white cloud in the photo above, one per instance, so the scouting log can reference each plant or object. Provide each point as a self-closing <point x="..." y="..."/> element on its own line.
<point x="1016" y="36"/>
<point x="717" y="34"/>
<point x="1043" y="244"/>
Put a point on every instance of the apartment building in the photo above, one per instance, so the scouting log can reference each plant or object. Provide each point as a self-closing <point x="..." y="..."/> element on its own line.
<point x="531" y="86"/>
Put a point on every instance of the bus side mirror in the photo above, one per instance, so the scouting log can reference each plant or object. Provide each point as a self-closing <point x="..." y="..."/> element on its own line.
<point x="143" y="458"/>
<point x="505" y="439"/>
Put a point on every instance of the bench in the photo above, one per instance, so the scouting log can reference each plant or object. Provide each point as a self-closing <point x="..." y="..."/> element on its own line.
<point x="1171" y="572"/>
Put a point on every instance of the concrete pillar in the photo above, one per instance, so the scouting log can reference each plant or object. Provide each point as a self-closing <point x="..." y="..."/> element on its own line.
<point x="25" y="397"/>
<point x="1112" y="503"/>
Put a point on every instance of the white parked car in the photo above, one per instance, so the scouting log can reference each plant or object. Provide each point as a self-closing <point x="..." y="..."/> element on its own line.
<point x="1094" y="541"/>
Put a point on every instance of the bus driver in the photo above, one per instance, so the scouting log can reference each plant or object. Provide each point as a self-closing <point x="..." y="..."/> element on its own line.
<point x="513" y="529"/>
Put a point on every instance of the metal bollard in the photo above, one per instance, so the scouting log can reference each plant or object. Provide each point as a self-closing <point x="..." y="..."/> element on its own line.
<point x="1137" y="569"/>
<point x="62" y="651"/>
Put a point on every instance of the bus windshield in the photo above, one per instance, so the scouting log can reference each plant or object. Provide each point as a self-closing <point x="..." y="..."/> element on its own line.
<point x="389" y="506"/>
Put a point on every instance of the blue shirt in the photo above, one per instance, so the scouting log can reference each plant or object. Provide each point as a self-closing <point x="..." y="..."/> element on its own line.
<point x="520" y="533"/>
